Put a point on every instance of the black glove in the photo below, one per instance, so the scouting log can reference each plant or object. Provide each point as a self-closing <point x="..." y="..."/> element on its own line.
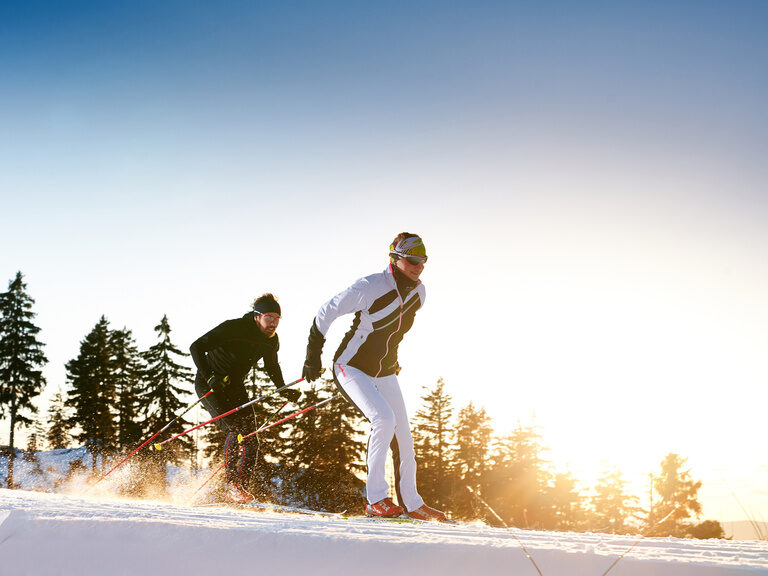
<point x="313" y="365"/>
<point x="291" y="394"/>
<point x="214" y="380"/>
<point x="310" y="373"/>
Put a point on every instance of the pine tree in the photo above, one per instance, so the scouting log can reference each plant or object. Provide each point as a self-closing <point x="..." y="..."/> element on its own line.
<point x="519" y="479"/>
<point x="433" y="442"/>
<point x="34" y="445"/>
<point x="567" y="504"/>
<point x="473" y="440"/>
<point x="163" y="398"/>
<point x="325" y="449"/>
<point x="56" y="434"/>
<point x="611" y="505"/>
<point x="127" y="370"/>
<point x="21" y="360"/>
<point x="678" y="494"/>
<point x="91" y="395"/>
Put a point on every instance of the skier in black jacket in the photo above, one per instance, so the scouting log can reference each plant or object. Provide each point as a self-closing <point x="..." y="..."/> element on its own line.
<point x="224" y="357"/>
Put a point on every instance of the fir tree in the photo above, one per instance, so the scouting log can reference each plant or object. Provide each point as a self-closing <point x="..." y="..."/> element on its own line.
<point x="611" y="505"/>
<point x="91" y="395"/>
<point x="163" y="398"/>
<point x="21" y="360"/>
<point x="56" y="434"/>
<point x="519" y="479"/>
<point x="473" y="439"/>
<point x="566" y="504"/>
<point x="325" y="449"/>
<point x="433" y="443"/>
<point x="678" y="494"/>
<point x="34" y="445"/>
<point x="127" y="370"/>
<point x="35" y="437"/>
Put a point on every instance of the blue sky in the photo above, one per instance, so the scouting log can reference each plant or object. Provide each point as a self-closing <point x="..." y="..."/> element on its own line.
<point x="589" y="179"/>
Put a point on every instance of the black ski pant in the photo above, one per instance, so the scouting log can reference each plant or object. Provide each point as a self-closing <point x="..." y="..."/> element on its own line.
<point x="239" y="460"/>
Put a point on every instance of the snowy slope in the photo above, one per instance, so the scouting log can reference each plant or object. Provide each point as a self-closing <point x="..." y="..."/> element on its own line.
<point x="50" y="534"/>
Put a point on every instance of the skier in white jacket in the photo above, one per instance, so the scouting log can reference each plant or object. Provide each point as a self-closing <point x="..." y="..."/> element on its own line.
<point x="365" y="368"/>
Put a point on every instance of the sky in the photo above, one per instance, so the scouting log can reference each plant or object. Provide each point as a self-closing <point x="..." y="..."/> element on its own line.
<point x="589" y="180"/>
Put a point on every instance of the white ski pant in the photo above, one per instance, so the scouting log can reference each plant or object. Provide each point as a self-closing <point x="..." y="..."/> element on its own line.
<point x="382" y="403"/>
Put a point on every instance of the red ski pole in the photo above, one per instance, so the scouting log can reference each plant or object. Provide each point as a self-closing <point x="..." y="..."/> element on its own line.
<point x="159" y="445"/>
<point x="240" y="437"/>
<point x="155" y="435"/>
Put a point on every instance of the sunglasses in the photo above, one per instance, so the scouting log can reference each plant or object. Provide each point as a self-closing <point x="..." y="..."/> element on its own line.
<point x="416" y="259"/>
<point x="271" y="318"/>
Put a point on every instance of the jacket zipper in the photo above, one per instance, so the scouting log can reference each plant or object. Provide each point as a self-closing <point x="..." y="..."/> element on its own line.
<point x="396" y="330"/>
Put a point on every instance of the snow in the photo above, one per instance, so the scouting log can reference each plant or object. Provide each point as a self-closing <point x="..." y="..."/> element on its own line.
<point x="65" y="534"/>
<point x="87" y="532"/>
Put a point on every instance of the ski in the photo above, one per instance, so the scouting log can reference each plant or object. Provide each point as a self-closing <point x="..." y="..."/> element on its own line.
<point x="282" y="509"/>
<point x="403" y="519"/>
<point x="263" y="507"/>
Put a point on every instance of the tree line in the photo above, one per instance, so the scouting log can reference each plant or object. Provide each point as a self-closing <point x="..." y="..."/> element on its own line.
<point x="117" y="396"/>
<point x="511" y="473"/>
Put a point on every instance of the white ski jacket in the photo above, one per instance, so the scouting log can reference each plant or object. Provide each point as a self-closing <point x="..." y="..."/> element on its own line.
<point x="382" y="317"/>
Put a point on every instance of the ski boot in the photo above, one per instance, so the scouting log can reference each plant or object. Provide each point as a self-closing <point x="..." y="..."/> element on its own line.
<point x="426" y="513"/>
<point x="384" y="509"/>
<point x="237" y="494"/>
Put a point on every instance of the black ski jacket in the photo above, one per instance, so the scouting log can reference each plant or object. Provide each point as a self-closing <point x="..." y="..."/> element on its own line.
<point x="233" y="348"/>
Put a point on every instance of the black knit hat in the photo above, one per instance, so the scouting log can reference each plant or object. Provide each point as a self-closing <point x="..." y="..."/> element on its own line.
<point x="266" y="304"/>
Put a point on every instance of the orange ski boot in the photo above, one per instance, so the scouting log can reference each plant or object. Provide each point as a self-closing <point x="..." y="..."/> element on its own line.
<point x="384" y="509"/>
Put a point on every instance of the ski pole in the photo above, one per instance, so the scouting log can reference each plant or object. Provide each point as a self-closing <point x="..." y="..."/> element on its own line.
<point x="194" y="494"/>
<point x="159" y="445"/>
<point x="492" y="511"/>
<point x="639" y="538"/>
<point x="213" y="474"/>
<point x="156" y="434"/>
<point x="240" y="437"/>
<point x="275" y="413"/>
<point x="263" y="427"/>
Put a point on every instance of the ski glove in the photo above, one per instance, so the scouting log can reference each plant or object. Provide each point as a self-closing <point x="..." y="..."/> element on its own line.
<point x="313" y="365"/>
<point x="311" y="373"/>
<point x="291" y="394"/>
